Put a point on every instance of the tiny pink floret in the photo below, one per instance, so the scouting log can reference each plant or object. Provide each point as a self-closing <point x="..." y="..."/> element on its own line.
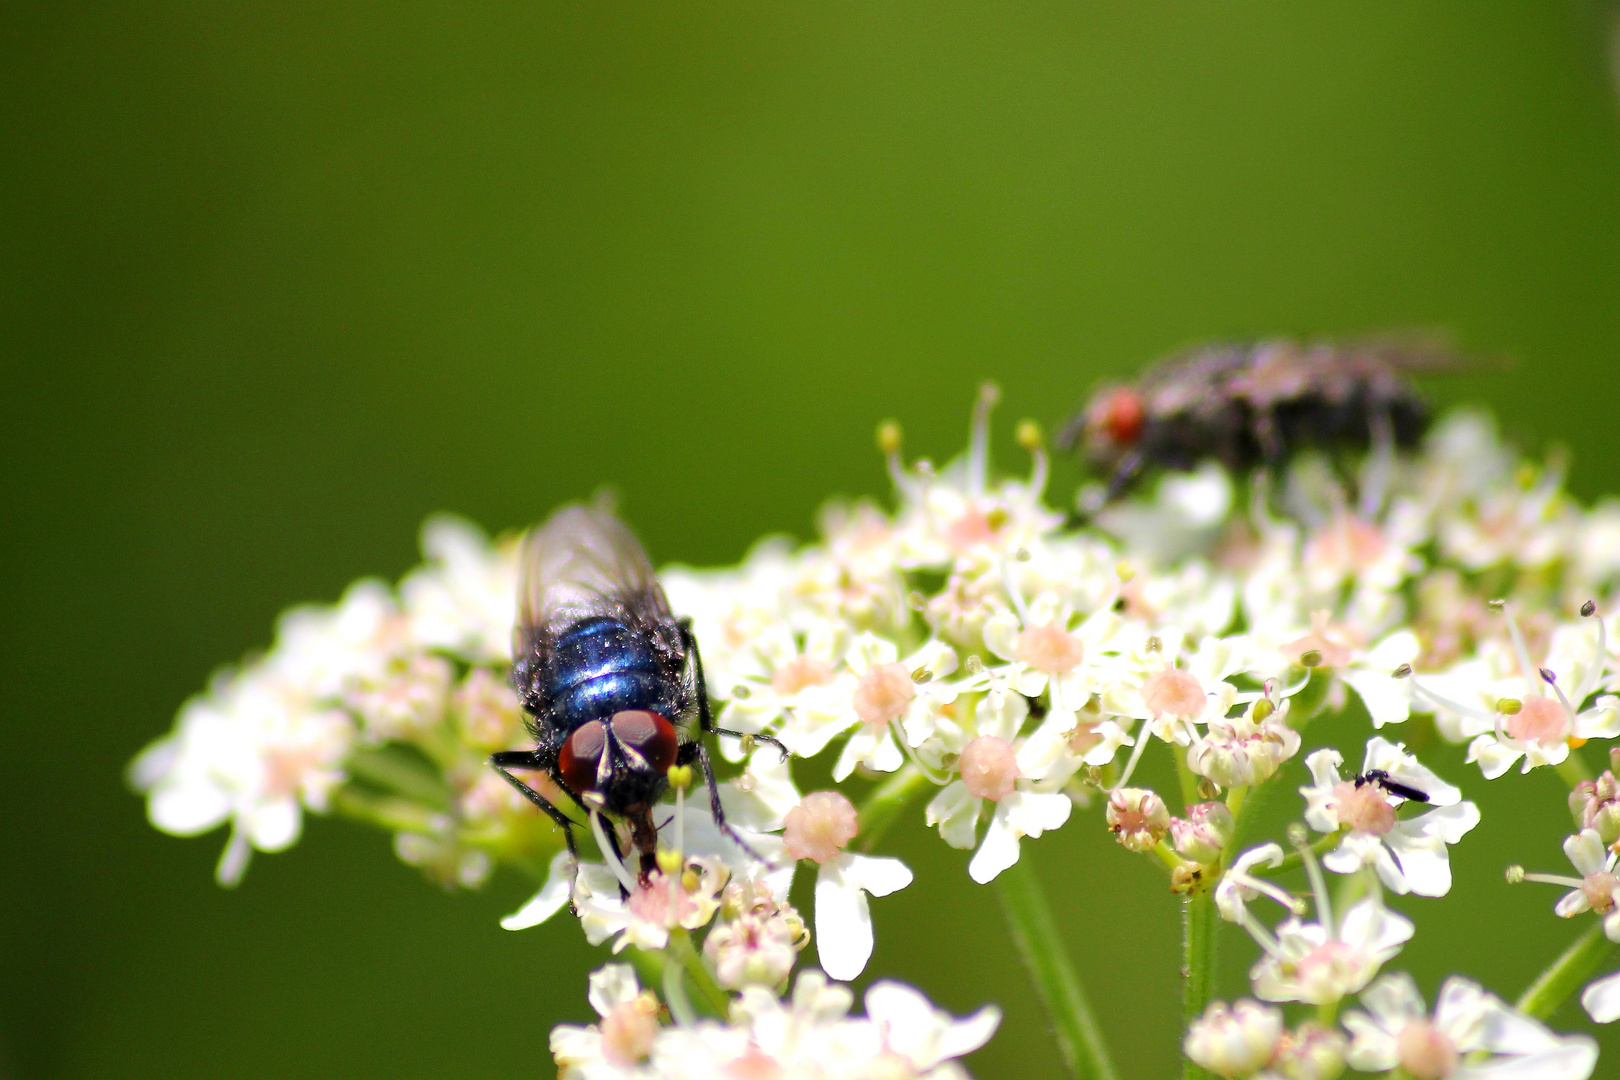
<point x="989" y="767"/>
<point x="1363" y="808"/>
<point x="1050" y="648"/>
<point x="1426" y="1052"/>
<point x="1173" y="692"/>
<point x="883" y="694"/>
<point x="1539" y="720"/>
<point x="820" y="826"/>
<point x="629" y="1030"/>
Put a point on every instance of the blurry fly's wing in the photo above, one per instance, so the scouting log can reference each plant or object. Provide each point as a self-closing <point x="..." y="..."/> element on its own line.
<point x="584" y="562"/>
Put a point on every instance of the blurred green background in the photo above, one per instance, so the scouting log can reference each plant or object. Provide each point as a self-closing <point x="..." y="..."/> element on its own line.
<point x="279" y="279"/>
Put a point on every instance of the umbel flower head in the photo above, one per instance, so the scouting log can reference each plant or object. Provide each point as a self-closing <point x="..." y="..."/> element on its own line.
<point x="974" y="659"/>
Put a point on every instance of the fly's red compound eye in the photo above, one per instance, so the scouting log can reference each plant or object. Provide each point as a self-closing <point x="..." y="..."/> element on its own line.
<point x="581" y="755"/>
<point x="649" y="735"/>
<point x="1123" y="416"/>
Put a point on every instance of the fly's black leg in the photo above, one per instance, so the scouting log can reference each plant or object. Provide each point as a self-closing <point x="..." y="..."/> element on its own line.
<point x="717" y="811"/>
<point x="525" y="759"/>
<point x="705" y="716"/>
<point x="1381" y="461"/>
<point x="1129" y="466"/>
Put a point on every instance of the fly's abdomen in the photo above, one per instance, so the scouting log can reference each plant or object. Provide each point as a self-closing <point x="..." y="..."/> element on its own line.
<point x="601" y="667"/>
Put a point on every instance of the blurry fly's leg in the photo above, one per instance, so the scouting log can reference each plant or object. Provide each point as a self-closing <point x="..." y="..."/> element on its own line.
<point x="1268" y="438"/>
<point x="1380" y="466"/>
<point x="717" y="811"/>
<point x="525" y="759"/>
<point x="701" y="689"/>
<point x="1124" y="473"/>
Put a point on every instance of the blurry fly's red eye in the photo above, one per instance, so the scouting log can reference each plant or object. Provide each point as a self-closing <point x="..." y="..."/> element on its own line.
<point x="649" y="735"/>
<point x="581" y="754"/>
<point x="1124" y="416"/>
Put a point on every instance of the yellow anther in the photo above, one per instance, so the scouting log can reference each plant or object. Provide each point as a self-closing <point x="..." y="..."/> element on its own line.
<point x="1515" y="874"/>
<point x="1030" y="436"/>
<point x="1311" y="658"/>
<point x="689" y="881"/>
<point x="1262" y="709"/>
<point x="1124" y="570"/>
<point x="1508" y="706"/>
<point x="680" y="776"/>
<point x="669" y="861"/>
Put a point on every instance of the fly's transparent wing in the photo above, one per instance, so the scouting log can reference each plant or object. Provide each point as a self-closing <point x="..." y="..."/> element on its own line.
<point x="583" y="562"/>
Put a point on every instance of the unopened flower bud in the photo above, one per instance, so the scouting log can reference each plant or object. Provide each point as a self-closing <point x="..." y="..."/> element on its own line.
<point x="1236" y="1041"/>
<point x="1204" y="833"/>
<point x="1239" y="752"/>
<point x="755" y="950"/>
<point x="1595" y="804"/>
<point x="1310" y="1052"/>
<point x="1138" y="817"/>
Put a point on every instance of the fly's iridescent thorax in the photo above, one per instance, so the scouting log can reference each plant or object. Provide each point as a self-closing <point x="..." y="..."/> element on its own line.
<point x="599" y="666"/>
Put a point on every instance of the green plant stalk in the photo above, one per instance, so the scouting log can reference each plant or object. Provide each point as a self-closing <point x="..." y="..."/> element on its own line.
<point x="1200" y="926"/>
<point x="717" y="1001"/>
<point x="884" y="804"/>
<point x="1035" y="934"/>
<point x="1573" y="769"/>
<point x="1566" y="974"/>
<point x="1188" y="778"/>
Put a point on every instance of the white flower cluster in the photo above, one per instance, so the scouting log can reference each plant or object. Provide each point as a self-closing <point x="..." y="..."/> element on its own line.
<point x="277" y="735"/>
<point x="810" y="1036"/>
<point x="972" y="645"/>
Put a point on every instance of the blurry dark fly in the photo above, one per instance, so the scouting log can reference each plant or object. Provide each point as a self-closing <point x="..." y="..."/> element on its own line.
<point x="1394" y="787"/>
<point x="1253" y="404"/>
<point x="611" y="679"/>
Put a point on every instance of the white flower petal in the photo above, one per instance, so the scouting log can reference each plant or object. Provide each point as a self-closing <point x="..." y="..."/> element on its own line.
<point x="1587" y="852"/>
<point x="956" y="812"/>
<point x="612" y="985"/>
<point x="549" y="900"/>
<point x="878" y="876"/>
<point x="998" y="851"/>
<point x="1601" y="999"/>
<point x="1388" y="700"/>
<point x="843" y="922"/>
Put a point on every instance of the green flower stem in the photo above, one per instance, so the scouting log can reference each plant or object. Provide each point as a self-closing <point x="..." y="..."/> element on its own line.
<point x="1200" y="925"/>
<point x="1573" y="769"/>
<point x="1566" y="974"/>
<point x="680" y="949"/>
<point x="385" y="811"/>
<point x="1036" y="937"/>
<point x="884" y="804"/>
<point x="1188" y="778"/>
<point x="1324" y="844"/>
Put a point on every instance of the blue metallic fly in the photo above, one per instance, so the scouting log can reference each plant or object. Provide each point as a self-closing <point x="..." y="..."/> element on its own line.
<point x="611" y="679"/>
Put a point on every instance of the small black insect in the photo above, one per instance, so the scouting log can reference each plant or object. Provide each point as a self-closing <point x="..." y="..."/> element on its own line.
<point x="611" y="679"/>
<point x="1394" y="787"/>
<point x="1253" y="404"/>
